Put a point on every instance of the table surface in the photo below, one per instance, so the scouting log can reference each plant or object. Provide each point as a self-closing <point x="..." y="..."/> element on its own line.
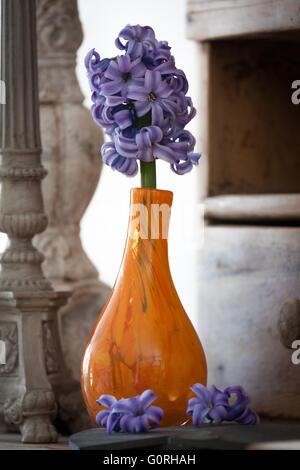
<point x="11" y="441"/>
<point x="269" y="435"/>
<point x="229" y="436"/>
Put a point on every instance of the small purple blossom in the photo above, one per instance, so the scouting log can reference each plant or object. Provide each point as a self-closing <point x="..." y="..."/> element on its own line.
<point x="139" y="98"/>
<point x="239" y="410"/>
<point x="211" y="405"/>
<point x="105" y="418"/>
<point x="121" y="73"/>
<point x="133" y="415"/>
<point x="140" y="41"/>
<point x="117" y="162"/>
<point x="154" y="96"/>
<point x="149" y="144"/>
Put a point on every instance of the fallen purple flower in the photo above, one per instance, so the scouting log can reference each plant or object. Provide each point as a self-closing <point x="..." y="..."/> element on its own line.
<point x="239" y="410"/>
<point x="211" y="405"/>
<point x="103" y="415"/>
<point x="132" y="415"/>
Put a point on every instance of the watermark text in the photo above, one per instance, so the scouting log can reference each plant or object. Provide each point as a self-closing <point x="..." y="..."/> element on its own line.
<point x="296" y="94"/>
<point x="296" y="354"/>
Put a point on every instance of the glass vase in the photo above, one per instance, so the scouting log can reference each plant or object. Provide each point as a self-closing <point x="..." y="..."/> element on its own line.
<point x="143" y="338"/>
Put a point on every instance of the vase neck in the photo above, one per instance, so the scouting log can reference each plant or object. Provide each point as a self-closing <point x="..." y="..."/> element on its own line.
<point x="147" y="236"/>
<point x="145" y="260"/>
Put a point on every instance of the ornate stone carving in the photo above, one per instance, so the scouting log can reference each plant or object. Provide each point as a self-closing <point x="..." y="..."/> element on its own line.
<point x="39" y="377"/>
<point x="63" y="245"/>
<point x="33" y="414"/>
<point x="59" y="36"/>
<point x="13" y="412"/>
<point x="50" y="347"/>
<point x="9" y="334"/>
<point x="59" y="28"/>
<point x="17" y="173"/>
<point x="26" y="297"/>
<point x="21" y="206"/>
<point x="71" y="143"/>
<point x="68" y="122"/>
<point x="31" y="256"/>
<point x="23" y="284"/>
<point x="23" y="225"/>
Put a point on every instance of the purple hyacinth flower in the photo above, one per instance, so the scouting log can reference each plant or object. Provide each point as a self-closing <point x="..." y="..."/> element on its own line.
<point x="186" y="110"/>
<point x="101" y="113"/>
<point x="121" y="73"/>
<point x="174" y="77"/>
<point x="112" y="158"/>
<point x="214" y="406"/>
<point x="239" y="410"/>
<point x="136" y="414"/>
<point x="93" y="62"/>
<point x="151" y="144"/>
<point x="183" y="143"/>
<point x="181" y="168"/>
<point x="209" y="405"/>
<point x="146" y="146"/>
<point x="128" y="90"/>
<point x="154" y="96"/>
<point x="103" y="416"/>
<point x="140" y="40"/>
<point x="95" y="69"/>
<point x="124" y="116"/>
<point x="160" y="54"/>
<point x="147" y="141"/>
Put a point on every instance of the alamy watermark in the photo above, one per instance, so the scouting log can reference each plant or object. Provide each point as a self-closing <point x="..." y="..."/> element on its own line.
<point x="152" y="223"/>
<point x="2" y="352"/>
<point x="296" y="354"/>
<point x="2" y="92"/>
<point x="296" y="94"/>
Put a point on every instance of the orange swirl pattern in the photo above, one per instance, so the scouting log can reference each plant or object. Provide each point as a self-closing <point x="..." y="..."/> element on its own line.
<point x="143" y="337"/>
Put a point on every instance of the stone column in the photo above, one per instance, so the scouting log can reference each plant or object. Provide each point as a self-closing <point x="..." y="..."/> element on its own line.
<point x="35" y="387"/>
<point x="249" y="264"/>
<point x="71" y="143"/>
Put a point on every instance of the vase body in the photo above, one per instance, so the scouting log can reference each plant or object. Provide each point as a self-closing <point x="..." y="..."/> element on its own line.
<point x="143" y="338"/>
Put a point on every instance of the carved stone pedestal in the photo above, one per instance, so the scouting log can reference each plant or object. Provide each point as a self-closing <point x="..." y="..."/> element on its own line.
<point x="35" y="387"/>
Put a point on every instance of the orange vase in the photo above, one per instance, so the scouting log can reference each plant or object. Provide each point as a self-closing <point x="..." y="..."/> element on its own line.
<point x="143" y="338"/>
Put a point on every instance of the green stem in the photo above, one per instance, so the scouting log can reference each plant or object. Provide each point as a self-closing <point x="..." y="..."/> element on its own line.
<point x="147" y="169"/>
<point x="148" y="174"/>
